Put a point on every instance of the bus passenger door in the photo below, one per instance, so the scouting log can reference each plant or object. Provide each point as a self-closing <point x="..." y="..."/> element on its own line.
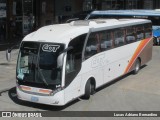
<point x="72" y="79"/>
<point x="73" y="67"/>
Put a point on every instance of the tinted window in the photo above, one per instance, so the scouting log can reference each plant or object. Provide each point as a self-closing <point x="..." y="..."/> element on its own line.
<point x="140" y="32"/>
<point x="37" y="64"/>
<point x="119" y="37"/>
<point x="148" y="30"/>
<point x="130" y="35"/>
<point x="74" y="58"/>
<point x="106" y="40"/>
<point x="93" y="45"/>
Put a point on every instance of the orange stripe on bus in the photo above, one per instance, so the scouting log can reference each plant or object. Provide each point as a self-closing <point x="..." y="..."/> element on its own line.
<point x="139" y="49"/>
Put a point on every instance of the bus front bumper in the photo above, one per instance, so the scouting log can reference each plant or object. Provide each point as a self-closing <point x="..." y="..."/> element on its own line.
<point x="56" y="100"/>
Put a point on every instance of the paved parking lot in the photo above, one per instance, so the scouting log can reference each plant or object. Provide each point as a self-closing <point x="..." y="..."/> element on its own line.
<point x="139" y="92"/>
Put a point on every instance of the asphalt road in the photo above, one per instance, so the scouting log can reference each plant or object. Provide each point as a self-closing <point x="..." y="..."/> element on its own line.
<point x="139" y="92"/>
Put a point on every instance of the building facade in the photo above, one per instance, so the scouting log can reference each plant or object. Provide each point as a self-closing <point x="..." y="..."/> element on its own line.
<point x="20" y="17"/>
<point x="124" y="4"/>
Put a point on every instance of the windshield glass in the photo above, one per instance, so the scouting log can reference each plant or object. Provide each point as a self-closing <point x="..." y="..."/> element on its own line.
<point x="37" y="63"/>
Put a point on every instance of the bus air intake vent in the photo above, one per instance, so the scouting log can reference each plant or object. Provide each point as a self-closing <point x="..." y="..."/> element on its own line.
<point x="100" y="22"/>
<point x="80" y="23"/>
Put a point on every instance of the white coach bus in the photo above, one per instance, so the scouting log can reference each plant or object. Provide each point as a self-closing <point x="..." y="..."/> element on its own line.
<point x="59" y="63"/>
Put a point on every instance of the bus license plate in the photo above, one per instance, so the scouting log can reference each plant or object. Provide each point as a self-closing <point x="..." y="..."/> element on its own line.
<point x="34" y="99"/>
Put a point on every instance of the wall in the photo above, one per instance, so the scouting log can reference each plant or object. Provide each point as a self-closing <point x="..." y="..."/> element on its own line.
<point x="66" y="8"/>
<point x="46" y="12"/>
<point x="148" y="4"/>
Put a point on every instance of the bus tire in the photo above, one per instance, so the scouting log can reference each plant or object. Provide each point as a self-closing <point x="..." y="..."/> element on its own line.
<point x="93" y="91"/>
<point x="154" y="41"/>
<point x="137" y="67"/>
<point x="88" y="88"/>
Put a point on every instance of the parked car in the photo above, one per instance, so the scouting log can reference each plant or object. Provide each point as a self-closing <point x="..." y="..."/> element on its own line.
<point x="156" y="34"/>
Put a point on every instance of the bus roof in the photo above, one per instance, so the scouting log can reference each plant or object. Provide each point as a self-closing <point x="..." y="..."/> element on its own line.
<point x="64" y="33"/>
<point x="128" y="12"/>
<point x="58" y="33"/>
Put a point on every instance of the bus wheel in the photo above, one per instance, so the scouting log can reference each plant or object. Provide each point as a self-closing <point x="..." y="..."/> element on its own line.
<point x="154" y="41"/>
<point x="93" y="91"/>
<point x="137" y="67"/>
<point x="88" y="89"/>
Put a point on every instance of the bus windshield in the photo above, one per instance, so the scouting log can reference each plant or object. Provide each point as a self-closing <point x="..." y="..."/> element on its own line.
<point x="37" y="63"/>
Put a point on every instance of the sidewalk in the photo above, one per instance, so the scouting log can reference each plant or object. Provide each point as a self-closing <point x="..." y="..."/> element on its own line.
<point x="8" y="70"/>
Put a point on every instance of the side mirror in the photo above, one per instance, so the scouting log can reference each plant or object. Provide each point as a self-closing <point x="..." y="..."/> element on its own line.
<point x="60" y="58"/>
<point x="8" y="55"/>
<point x="8" y="51"/>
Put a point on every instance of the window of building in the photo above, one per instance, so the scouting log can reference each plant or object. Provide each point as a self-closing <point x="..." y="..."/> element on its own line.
<point x="132" y="4"/>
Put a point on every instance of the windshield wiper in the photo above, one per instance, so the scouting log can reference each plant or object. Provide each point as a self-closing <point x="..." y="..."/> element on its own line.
<point x="44" y="80"/>
<point x="42" y="76"/>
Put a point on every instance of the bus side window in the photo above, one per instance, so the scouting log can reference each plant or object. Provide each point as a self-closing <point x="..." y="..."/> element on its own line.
<point x="74" y="59"/>
<point x="74" y="56"/>
<point x="130" y="35"/>
<point x="140" y="32"/>
<point x="106" y="40"/>
<point x="148" y="31"/>
<point x="92" y="46"/>
<point x="119" y="38"/>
